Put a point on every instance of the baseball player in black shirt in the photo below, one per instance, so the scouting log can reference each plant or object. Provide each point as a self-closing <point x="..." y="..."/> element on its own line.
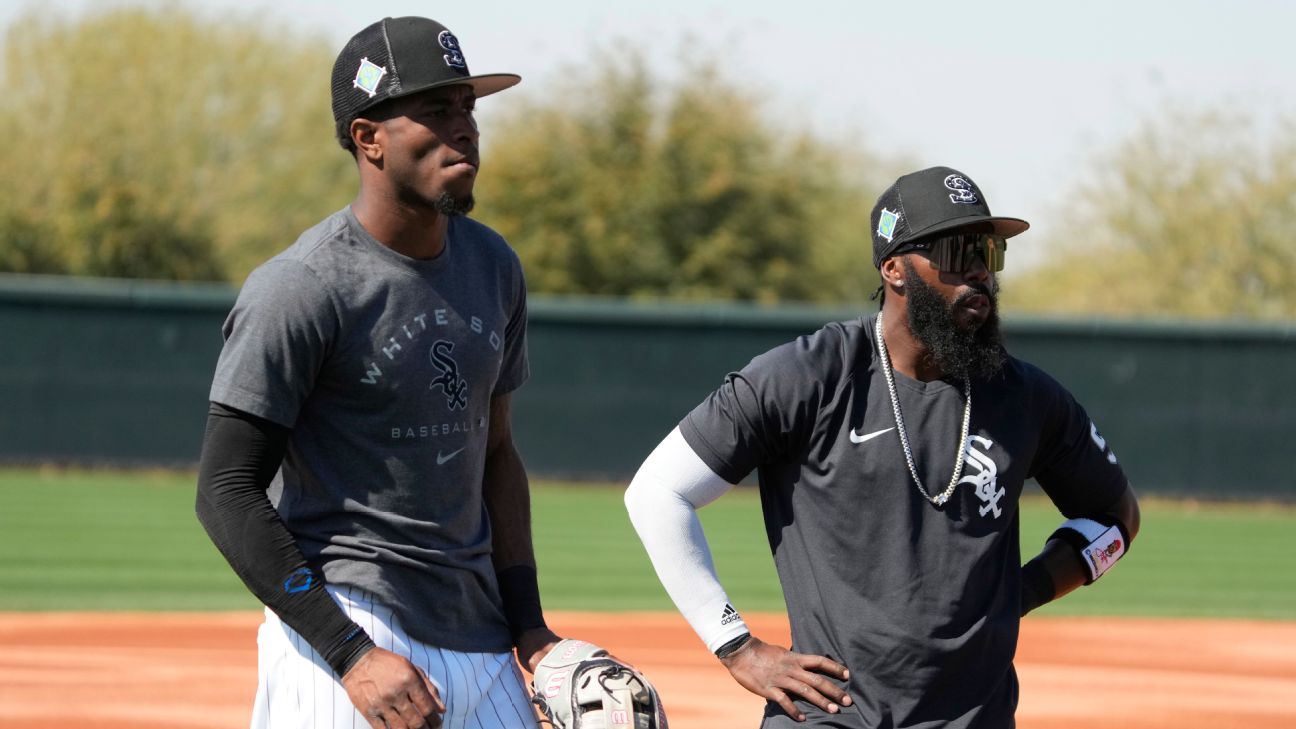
<point x="891" y="452"/>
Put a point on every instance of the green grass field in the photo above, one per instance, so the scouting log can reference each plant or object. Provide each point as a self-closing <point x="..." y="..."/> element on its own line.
<point x="77" y="540"/>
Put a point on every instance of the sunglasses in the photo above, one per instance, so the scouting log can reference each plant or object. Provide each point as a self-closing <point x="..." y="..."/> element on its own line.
<point x="957" y="253"/>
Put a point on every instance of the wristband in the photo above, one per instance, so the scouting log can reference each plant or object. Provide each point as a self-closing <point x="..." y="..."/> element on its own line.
<point x="520" y="593"/>
<point x="730" y="648"/>
<point x="351" y="649"/>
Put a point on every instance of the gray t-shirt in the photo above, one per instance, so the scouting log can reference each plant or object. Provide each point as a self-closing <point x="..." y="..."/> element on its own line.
<point x="920" y="602"/>
<point x="384" y="367"/>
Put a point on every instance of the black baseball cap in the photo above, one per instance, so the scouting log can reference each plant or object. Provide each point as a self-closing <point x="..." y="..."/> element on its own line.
<point x="921" y="205"/>
<point x="401" y="56"/>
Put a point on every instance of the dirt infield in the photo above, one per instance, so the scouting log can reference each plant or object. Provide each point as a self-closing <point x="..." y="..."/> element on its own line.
<point x="198" y="671"/>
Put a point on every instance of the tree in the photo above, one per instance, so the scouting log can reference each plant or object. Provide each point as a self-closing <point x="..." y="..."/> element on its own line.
<point x="614" y="183"/>
<point x="166" y="144"/>
<point x="160" y="143"/>
<point x="24" y="245"/>
<point x="1192" y="216"/>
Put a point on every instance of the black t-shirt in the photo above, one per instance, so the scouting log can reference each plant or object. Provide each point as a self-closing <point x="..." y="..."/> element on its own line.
<point x="919" y="601"/>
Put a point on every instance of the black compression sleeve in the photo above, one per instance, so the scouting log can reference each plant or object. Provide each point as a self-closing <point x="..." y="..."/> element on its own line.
<point x="520" y="592"/>
<point x="240" y="456"/>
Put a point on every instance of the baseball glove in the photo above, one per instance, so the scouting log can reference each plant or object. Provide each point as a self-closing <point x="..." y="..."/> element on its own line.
<point x="579" y="685"/>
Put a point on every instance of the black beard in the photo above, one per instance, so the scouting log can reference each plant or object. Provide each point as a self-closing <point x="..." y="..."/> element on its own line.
<point x="954" y="350"/>
<point x="450" y="206"/>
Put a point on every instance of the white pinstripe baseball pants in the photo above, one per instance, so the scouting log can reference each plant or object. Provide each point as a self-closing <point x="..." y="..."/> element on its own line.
<point x="297" y="690"/>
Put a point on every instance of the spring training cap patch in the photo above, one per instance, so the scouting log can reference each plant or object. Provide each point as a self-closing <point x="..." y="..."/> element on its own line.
<point x="886" y="224"/>
<point x="368" y="76"/>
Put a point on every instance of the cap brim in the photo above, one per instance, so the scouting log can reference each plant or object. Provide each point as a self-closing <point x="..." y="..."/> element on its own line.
<point x="492" y="82"/>
<point x="1007" y="227"/>
<point x="483" y="85"/>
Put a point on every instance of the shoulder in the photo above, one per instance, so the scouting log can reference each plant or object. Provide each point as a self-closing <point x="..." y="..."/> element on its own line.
<point x="1028" y="375"/>
<point x="302" y="273"/>
<point x="281" y="276"/>
<point x="472" y="227"/>
<point x="484" y="240"/>
<point x="1029" y="383"/>
<point x="311" y="257"/>
<point x="286" y="291"/>
<point x="823" y="359"/>
<point x="829" y="347"/>
<point x="317" y="241"/>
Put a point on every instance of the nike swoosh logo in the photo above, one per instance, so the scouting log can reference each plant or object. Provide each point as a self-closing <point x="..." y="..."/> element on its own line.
<point x="442" y="459"/>
<point x="861" y="438"/>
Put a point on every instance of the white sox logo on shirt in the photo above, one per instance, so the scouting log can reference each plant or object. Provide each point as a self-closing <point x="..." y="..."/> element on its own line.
<point x="985" y="479"/>
<point x="417" y="327"/>
<point x="454" y="386"/>
<point x="402" y="356"/>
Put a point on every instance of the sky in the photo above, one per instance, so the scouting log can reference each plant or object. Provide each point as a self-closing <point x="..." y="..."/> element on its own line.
<point x="1021" y="95"/>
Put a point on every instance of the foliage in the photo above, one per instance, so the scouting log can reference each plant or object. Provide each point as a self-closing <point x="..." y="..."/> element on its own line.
<point x="184" y="147"/>
<point x="25" y="244"/>
<point x="162" y="144"/>
<point x="1192" y="216"/>
<point x="617" y="183"/>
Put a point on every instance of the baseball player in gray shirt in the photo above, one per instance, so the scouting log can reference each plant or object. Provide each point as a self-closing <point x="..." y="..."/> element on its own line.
<point x="358" y="469"/>
<point x="891" y="452"/>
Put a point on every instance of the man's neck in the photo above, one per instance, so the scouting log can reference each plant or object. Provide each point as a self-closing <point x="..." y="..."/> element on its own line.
<point x="414" y="232"/>
<point x="908" y="354"/>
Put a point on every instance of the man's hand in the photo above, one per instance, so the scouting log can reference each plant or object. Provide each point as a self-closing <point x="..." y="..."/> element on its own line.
<point x="391" y="693"/>
<point x="533" y="645"/>
<point x="778" y="674"/>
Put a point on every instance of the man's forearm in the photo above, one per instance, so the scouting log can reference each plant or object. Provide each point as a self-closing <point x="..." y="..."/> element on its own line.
<point x="1058" y="570"/>
<point x="1050" y="575"/>
<point x="240" y="456"/>
<point x="506" y="492"/>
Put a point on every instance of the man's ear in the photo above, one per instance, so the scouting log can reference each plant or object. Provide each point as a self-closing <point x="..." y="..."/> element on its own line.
<point x="368" y="137"/>
<point x="893" y="272"/>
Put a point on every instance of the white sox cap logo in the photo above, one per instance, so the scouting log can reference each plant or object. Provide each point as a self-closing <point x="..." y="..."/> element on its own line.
<point x="964" y="193"/>
<point x="449" y="42"/>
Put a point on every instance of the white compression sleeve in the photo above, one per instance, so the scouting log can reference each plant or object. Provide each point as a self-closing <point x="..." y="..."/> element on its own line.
<point x="662" y="500"/>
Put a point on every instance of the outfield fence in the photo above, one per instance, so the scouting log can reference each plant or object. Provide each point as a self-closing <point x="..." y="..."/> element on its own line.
<point x="116" y="372"/>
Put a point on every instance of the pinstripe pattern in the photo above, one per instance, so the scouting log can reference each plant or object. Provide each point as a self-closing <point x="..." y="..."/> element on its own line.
<point x="297" y="690"/>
